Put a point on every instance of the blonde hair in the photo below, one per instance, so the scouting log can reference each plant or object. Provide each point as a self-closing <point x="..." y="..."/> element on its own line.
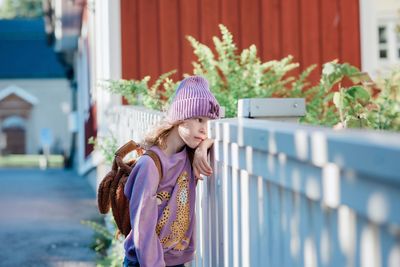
<point x="158" y="136"/>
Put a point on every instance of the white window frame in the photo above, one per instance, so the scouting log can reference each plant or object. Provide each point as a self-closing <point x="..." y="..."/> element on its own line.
<point x="375" y="13"/>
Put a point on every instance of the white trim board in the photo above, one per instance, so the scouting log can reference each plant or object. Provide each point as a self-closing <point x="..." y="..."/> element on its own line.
<point x="12" y="89"/>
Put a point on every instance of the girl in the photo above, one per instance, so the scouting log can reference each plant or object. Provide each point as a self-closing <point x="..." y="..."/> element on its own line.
<point x="162" y="211"/>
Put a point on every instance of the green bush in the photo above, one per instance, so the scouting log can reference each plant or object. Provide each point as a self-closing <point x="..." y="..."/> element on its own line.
<point x="358" y="107"/>
<point x="138" y="92"/>
<point x="106" y="145"/>
<point x="320" y="109"/>
<point x="108" y="246"/>
<point x="233" y="76"/>
<point x="363" y="104"/>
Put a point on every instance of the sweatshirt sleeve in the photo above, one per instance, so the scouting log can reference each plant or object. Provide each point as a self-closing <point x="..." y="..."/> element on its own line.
<point x="144" y="212"/>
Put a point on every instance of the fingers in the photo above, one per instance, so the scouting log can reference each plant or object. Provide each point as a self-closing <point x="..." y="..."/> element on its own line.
<point x="196" y="172"/>
<point x="201" y="169"/>
<point x="204" y="165"/>
<point x="201" y="165"/>
<point x="205" y="168"/>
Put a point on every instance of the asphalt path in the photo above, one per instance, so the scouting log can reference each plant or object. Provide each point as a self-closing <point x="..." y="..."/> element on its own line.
<point x="40" y="218"/>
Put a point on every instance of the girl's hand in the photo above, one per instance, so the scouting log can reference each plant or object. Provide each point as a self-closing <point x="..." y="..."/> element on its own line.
<point x="200" y="161"/>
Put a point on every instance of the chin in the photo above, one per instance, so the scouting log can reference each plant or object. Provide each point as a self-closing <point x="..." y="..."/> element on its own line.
<point x="193" y="146"/>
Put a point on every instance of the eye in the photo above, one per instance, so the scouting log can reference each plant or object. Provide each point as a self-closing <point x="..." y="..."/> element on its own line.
<point x="200" y="120"/>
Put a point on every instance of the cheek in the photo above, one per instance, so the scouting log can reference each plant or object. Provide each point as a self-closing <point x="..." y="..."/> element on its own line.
<point x="184" y="132"/>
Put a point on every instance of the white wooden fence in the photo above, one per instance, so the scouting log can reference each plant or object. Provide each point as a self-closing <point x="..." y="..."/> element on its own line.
<point x="289" y="195"/>
<point x="131" y="122"/>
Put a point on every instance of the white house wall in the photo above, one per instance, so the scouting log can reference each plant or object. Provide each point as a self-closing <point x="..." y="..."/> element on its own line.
<point x="374" y="12"/>
<point x="82" y="76"/>
<point x="108" y="55"/>
<point x="99" y="62"/>
<point x="47" y="113"/>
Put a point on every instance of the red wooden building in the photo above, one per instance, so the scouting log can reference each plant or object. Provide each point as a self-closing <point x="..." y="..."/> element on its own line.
<point x="313" y="31"/>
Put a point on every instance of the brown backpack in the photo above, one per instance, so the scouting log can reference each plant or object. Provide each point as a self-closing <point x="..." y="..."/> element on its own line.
<point x="111" y="189"/>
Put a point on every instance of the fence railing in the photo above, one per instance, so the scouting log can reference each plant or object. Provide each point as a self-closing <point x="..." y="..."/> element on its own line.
<point x="283" y="194"/>
<point x="131" y="122"/>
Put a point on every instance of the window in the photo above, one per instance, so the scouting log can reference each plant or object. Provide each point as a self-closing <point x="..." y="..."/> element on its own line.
<point x="382" y="35"/>
<point x="398" y="42"/>
<point x="383" y="43"/>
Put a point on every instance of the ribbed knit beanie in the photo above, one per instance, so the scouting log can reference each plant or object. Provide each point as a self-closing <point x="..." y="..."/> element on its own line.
<point x="193" y="98"/>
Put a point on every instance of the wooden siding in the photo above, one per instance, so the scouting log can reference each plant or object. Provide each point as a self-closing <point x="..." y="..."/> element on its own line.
<point x="313" y="31"/>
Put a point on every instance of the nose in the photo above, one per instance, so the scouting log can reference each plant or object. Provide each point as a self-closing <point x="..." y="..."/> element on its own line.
<point x="203" y="128"/>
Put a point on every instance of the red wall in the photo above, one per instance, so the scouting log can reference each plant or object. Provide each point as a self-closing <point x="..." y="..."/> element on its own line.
<point x="313" y="31"/>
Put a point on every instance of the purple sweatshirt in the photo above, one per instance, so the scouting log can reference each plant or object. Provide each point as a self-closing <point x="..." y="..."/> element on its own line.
<point x="162" y="213"/>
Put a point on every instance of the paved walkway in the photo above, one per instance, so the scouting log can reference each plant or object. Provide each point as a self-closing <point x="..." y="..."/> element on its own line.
<point x="40" y="214"/>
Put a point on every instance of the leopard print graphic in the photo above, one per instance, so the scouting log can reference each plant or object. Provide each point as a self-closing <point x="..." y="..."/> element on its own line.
<point x="161" y="196"/>
<point x="163" y="220"/>
<point x="179" y="227"/>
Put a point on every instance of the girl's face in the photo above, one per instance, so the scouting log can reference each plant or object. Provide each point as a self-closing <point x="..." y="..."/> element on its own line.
<point x="193" y="131"/>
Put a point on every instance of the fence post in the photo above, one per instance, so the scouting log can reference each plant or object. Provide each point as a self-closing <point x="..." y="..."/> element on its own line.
<point x="276" y="109"/>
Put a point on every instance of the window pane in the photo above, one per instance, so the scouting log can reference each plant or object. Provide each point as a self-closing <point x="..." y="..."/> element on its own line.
<point x="382" y="53"/>
<point x="382" y="35"/>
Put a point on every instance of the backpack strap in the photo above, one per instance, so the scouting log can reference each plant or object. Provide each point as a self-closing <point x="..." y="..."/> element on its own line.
<point x="126" y="148"/>
<point x="121" y="153"/>
<point x="156" y="160"/>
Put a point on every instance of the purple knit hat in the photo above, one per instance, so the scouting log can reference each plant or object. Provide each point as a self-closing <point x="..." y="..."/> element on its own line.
<point x="193" y="99"/>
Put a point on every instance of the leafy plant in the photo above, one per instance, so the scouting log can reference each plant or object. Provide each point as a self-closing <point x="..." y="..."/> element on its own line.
<point x="109" y="247"/>
<point x="320" y="107"/>
<point x="138" y="92"/>
<point x="106" y="145"/>
<point x="102" y="239"/>
<point x="355" y="106"/>
<point x="233" y="76"/>
<point x="11" y="9"/>
<point x="385" y="108"/>
<point x="352" y="104"/>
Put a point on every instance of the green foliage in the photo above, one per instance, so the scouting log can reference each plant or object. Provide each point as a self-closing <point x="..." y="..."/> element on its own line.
<point x="129" y="89"/>
<point x="320" y="107"/>
<point x="138" y="92"/>
<point x="103" y="237"/>
<point x="352" y="106"/>
<point x="333" y="72"/>
<point x="106" y="145"/>
<point x="355" y="106"/>
<point x="233" y="76"/>
<point x="107" y="246"/>
<point x="11" y="9"/>
<point x="159" y="94"/>
<point x="384" y="110"/>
